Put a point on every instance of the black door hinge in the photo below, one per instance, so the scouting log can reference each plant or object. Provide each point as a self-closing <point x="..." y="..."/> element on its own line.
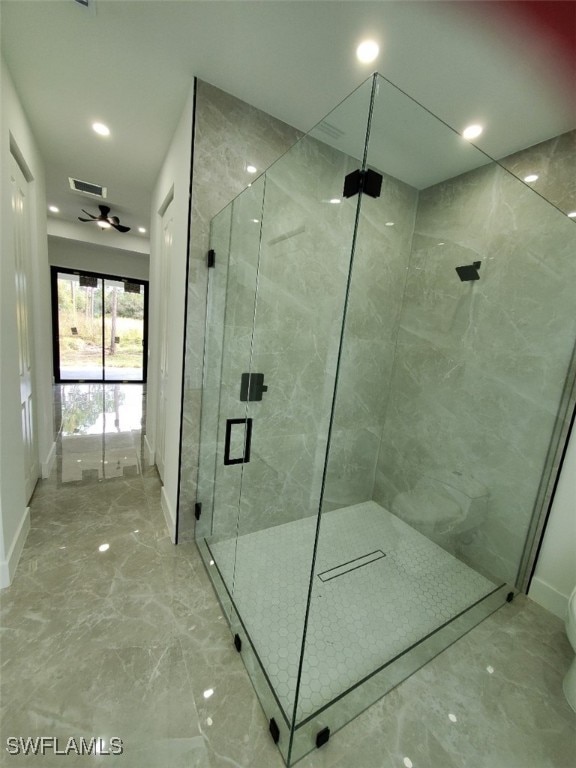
<point x="211" y="258"/>
<point x="322" y="737"/>
<point x="370" y="182"/>
<point x="197" y="510"/>
<point x="274" y="730"/>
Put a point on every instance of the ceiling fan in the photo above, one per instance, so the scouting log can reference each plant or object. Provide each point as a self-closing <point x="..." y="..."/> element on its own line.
<point x="104" y="220"/>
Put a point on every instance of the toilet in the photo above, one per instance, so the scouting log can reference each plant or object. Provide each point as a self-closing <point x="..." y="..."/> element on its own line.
<point x="569" y="684"/>
<point x="444" y="506"/>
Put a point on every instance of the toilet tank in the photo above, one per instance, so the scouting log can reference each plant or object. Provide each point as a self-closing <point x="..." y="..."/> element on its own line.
<point x="466" y="491"/>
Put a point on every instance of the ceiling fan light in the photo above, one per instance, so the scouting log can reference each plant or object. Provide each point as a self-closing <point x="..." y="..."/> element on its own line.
<point x="104" y="221"/>
<point x="101" y="129"/>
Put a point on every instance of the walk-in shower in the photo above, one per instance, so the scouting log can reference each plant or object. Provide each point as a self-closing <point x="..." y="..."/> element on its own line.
<point x="391" y="319"/>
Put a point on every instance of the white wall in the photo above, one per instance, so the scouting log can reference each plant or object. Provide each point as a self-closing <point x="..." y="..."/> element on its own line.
<point x="14" y="514"/>
<point x="175" y="174"/>
<point x="71" y="254"/>
<point x="555" y="575"/>
<point x="96" y="236"/>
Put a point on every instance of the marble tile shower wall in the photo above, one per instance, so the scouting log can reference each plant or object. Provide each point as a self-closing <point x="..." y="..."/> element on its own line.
<point x="554" y="162"/>
<point x="303" y="268"/>
<point x="480" y="366"/>
<point x="475" y="379"/>
<point x="375" y="297"/>
<point x="229" y="342"/>
<point x="229" y="134"/>
<point x="297" y="314"/>
<point x="214" y="341"/>
<point x="306" y="245"/>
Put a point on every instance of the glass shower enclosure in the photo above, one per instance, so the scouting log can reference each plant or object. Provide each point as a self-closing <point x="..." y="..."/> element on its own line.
<point x="390" y="329"/>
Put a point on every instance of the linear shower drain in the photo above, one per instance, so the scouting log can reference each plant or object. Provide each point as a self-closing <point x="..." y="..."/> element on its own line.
<point x="351" y="565"/>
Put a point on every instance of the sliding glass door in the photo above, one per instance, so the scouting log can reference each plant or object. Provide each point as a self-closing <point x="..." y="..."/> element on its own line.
<point x="100" y="327"/>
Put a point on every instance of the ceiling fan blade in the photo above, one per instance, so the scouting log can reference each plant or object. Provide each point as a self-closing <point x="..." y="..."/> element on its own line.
<point x="113" y="221"/>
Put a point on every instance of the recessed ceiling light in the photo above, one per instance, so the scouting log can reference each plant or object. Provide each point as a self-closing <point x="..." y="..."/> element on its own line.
<point x="53" y="209"/>
<point x="103" y="547"/>
<point x="101" y="129"/>
<point x="367" y="51"/>
<point x="141" y="229"/>
<point x="251" y="168"/>
<point x="572" y="214"/>
<point x="389" y="224"/>
<point x="531" y="177"/>
<point x="335" y="200"/>
<point x="472" y="131"/>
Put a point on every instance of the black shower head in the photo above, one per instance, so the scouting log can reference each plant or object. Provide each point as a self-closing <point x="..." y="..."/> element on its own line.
<point x="469" y="271"/>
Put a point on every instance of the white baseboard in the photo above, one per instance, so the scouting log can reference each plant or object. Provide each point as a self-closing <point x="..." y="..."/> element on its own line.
<point x="169" y="515"/>
<point x="548" y="597"/>
<point x="8" y="566"/>
<point x="150" y="452"/>
<point x="48" y="464"/>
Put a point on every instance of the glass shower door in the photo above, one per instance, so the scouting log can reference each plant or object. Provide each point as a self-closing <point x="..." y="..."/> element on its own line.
<point x="302" y="274"/>
<point x="383" y="376"/>
<point x="270" y="369"/>
<point x="443" y="413"/>
<point x="235" y="240"/>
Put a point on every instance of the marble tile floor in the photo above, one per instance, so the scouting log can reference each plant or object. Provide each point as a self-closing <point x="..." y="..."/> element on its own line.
<point x="130" y="642"/>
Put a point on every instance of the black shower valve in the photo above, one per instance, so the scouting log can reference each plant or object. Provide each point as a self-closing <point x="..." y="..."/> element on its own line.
<point x="252" y="387"/>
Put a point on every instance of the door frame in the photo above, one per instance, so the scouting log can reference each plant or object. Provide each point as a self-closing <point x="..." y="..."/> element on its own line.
<point x="166" y="215"/>
<point x="54" y="271"/>
<point x="20" y="181"/>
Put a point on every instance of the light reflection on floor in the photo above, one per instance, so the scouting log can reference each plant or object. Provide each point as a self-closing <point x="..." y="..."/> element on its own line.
<point x="101" y="431"/>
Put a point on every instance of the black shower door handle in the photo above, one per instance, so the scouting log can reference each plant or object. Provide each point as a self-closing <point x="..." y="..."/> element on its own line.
<point x="245" y="458"/>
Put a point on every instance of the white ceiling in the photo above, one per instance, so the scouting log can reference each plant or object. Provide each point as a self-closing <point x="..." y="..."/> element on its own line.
<point x="130" y="64"/>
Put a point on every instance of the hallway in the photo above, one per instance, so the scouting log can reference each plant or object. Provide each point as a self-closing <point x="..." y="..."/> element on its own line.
<point x="101" y="617"/>
<point x="108" y="630"/>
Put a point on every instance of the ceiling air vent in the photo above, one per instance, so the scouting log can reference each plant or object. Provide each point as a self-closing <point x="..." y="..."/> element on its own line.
<point x="95" y="190"/>
<point x="330" y="130"/>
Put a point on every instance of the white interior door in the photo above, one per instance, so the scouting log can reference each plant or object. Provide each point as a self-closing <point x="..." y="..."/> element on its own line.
<point x="165" y="260"/>
<point x="23" y="269"/>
